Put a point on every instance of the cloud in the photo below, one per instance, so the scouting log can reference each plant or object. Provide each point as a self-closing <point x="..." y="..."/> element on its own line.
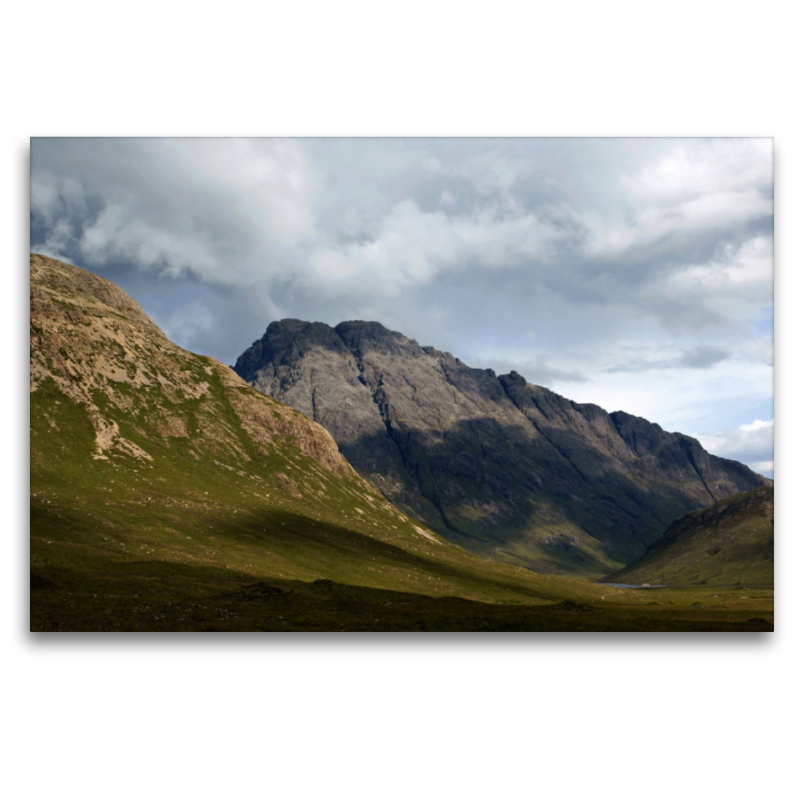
<point x="413" y="247"/>
<point x="700" y="357"/>
<point x="759" y="351"/>
<point x="765" y="468"/>
<point x="691" y="187"/>
<point x="693" y="169"/>
<point x="643" y="266"/>
<point x="220" y="208"/>
<point x="238" y="211"/>
<point x="726" y="294"/>
<point x="756" y="425"/>
<point x="538" y="371"/>
<point x="733" y="269"/>
<point x="750" y="443"/>
<point x="381" y="216"/>
<point x="542" y="374"/>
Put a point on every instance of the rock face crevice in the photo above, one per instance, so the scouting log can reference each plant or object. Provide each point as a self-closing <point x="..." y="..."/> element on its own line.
<point x="507" y="469"/>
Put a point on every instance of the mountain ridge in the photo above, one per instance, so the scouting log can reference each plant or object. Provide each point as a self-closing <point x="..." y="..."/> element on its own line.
<point x="507" y="469"/>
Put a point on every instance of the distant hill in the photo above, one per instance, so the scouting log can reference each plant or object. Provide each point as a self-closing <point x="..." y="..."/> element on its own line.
<point x="730" y="543"/>
<point x="511" y="471"/>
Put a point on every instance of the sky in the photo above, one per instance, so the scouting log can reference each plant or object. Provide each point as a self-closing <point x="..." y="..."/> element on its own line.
<point x="636" y="274"/>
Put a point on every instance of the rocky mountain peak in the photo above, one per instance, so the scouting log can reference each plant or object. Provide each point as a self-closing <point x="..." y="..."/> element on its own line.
<point x="508" y="469"/>
<point x="361" y="336"/>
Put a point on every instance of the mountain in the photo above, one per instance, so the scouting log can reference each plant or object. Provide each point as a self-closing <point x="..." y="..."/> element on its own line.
<point x="730" y="543"/>
<point x="167" y="494"/>
<point x="159" y="478"/>
<point x="511" y="471"/>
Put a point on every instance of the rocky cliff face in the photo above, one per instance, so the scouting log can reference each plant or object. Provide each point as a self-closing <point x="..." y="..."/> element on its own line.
<point x="510" y="470"/>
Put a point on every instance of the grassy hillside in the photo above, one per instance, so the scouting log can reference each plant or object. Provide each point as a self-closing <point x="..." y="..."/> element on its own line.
<point x="729" y="544"/>
<point x="166" y="494"/>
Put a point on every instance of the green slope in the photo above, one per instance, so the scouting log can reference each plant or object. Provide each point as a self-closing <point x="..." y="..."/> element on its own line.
<point x="166" y="494"/>
<point x="731" y="543"/>
<point x="142" y="450"/>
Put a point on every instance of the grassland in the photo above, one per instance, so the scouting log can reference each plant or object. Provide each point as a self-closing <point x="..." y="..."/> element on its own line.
<point x="191" y="545"/>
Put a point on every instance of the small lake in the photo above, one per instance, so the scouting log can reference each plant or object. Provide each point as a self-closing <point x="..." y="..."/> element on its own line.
<point x="631" y="586"/>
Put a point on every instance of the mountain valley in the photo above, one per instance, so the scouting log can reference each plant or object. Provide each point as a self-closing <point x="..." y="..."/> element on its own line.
<point x="168" y="494"/>
<point x="729" y="543"/>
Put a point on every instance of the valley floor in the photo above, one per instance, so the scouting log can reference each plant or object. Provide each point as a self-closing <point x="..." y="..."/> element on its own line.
<point x="162" y="596"/>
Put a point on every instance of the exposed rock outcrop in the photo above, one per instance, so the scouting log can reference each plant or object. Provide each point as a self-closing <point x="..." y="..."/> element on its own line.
<point x="105" y="354"/>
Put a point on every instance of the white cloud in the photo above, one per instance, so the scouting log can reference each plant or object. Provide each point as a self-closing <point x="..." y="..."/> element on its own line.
<point x="747" y="267"/>
<point x="268" y="186"/>
<point x="750" y="443"/>
<point x="691" y="187"/>
<point x="188" y="321"/>
<point x="759" y="351"/>
<point x="59" y="238"/>
<point x="117" y="234"/>
<point x="693" y="169"/>
<point x="757" y="425"/>
<point x="412" y="247"/>
<point x="702" y="356"/>
<point x="728" y="297"/>
<point x="44" y="194"/>
<point x="687" y="400"/>
<point x="766" y="468"/>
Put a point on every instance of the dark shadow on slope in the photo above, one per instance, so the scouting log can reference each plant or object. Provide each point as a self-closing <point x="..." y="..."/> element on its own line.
<point x="490" y="481"/>
<point x="316" y="547"/>
<point x="729" y="543"/>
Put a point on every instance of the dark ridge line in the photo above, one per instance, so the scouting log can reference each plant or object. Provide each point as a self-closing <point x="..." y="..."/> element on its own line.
<point x="690" y="457"/>
<point x="413" y="474"/>
<point x="616" y="428"/>
<point x="619" y="433"/>
<point x="541" y="432"/>
<point x="556" y="446"/>
<point x="636" y="501"/>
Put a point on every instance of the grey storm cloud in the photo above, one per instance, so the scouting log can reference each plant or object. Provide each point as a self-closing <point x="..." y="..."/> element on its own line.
<point x="700" y="357"/>
<point x="577" y="262"/>
<point x="703" y="357"/>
